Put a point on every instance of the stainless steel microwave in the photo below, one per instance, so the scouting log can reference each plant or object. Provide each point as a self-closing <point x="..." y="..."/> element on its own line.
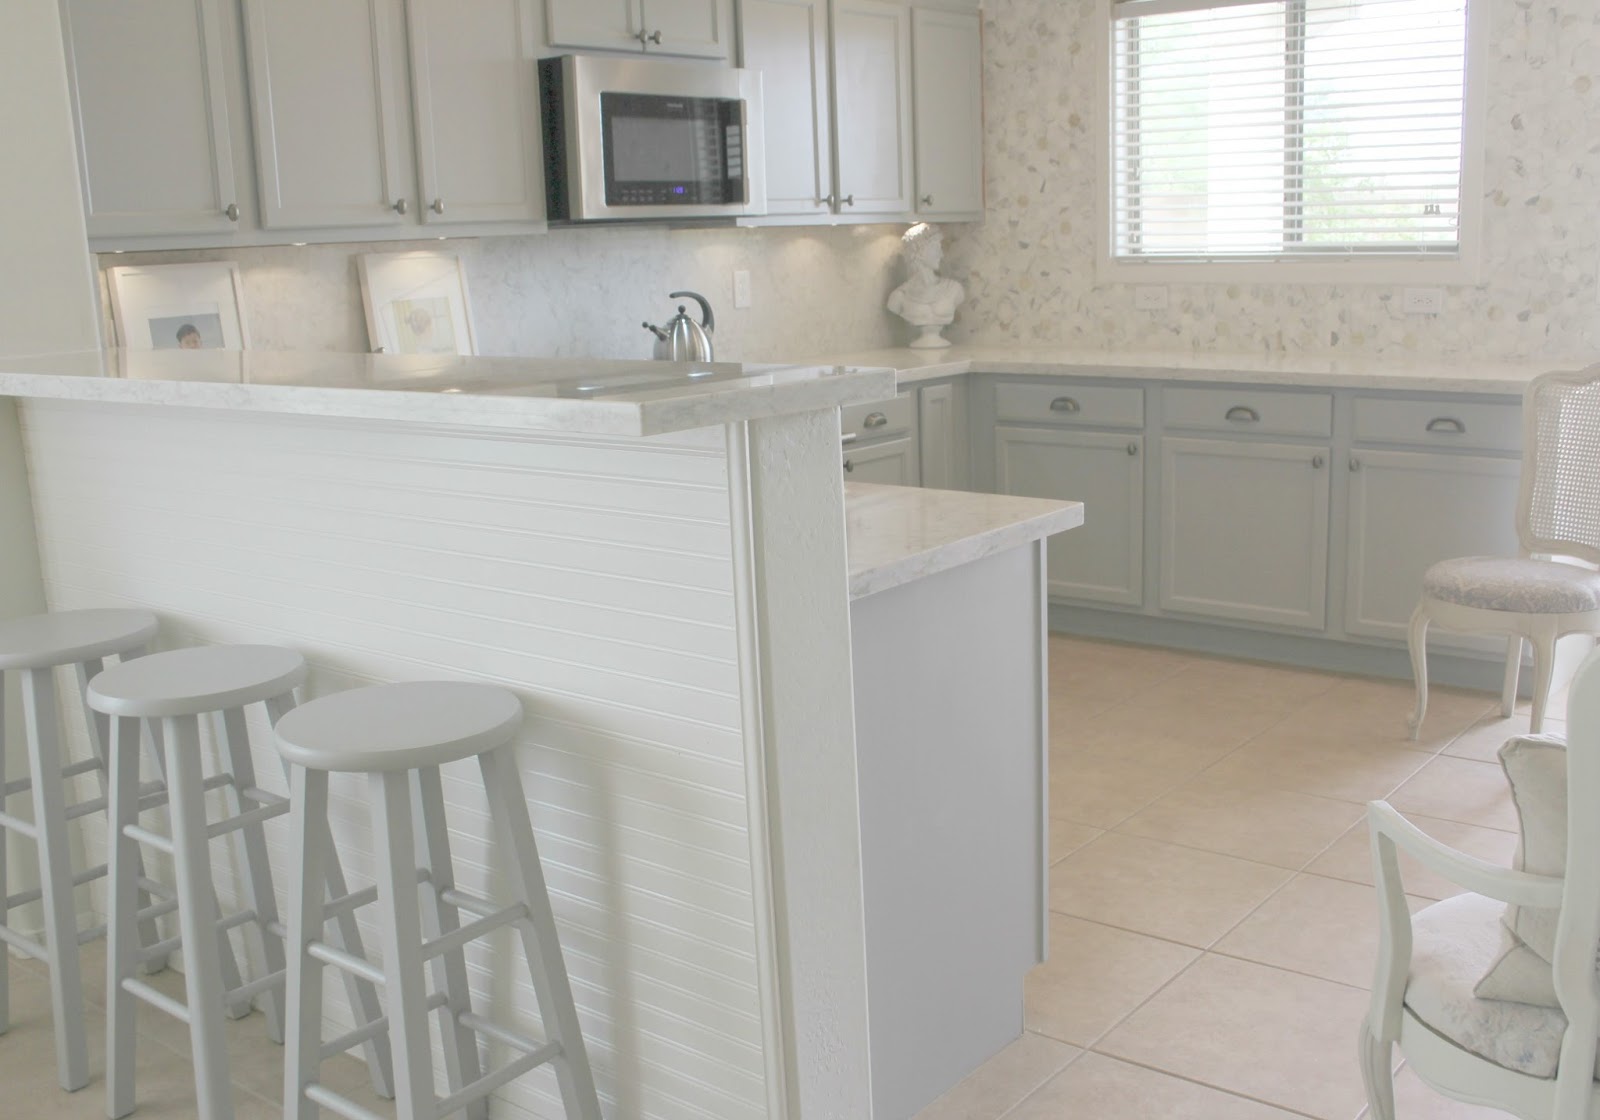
<point x="639" y="138"/>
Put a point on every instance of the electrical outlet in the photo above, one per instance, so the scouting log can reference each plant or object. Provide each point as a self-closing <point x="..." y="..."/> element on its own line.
<point x="741" y="289"/>
<point x="1423" y="301"/>
<point x="1150" y="297"/>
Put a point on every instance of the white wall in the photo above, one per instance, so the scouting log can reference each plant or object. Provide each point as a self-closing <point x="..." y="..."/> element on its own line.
<point x="1030" y="269"/>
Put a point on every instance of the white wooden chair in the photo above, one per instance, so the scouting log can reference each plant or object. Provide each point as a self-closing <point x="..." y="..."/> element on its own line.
<point x="1536" y="1062"/>
<point x="1558" y="514"/>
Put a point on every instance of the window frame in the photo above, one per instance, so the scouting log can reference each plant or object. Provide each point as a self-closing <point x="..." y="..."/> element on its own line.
<point x="1463" y="268"/>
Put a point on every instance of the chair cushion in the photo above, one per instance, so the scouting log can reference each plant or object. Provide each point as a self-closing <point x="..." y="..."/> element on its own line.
<point x="1536" y="768"/>
<point x="1496" y="583"/>
<point x="1453" y="942"/>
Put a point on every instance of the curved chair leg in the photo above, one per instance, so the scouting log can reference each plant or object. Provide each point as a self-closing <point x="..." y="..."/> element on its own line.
<point x="1508" y="692"/>
<point x="1417" y="639"/>
<point x="1377" y="1073"/>
<point x="1544" y="666"/>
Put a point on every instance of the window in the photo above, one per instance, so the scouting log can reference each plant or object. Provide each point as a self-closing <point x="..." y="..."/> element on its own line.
<point x="1288" y="130"/>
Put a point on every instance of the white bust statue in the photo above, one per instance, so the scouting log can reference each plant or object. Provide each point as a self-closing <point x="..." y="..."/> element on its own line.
<point x="926" y="300"/>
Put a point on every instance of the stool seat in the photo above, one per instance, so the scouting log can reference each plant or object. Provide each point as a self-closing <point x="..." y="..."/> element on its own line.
<point x="188" y="682"/>
<point x="42" y="641"/>
<point x="399" y="726"/>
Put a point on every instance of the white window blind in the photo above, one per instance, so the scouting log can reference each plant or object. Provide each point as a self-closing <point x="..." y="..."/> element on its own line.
<point x="1286" y="129"/>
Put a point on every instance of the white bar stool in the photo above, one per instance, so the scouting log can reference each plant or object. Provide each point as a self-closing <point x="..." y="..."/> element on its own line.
<point x="35" y="647"/>
<point x="390" y="733"/>
<point x="172" y="691"/>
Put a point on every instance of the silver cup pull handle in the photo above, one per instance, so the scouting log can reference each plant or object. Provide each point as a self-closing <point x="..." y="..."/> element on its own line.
<point x="1243" y="413"/>
<point x="1065" y="404"/>
<point x="1447" y="424"/>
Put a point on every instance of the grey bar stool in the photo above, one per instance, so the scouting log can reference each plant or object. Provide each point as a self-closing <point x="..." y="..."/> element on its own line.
<point x="399" y="735"/>
<point x="34" y="647"/>
<point x="172" y="691"/>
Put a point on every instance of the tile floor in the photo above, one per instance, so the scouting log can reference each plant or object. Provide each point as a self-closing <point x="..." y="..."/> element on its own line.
<point x="1212" y="923"/>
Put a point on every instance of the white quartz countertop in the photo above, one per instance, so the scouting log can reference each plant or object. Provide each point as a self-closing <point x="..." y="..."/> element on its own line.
<point x="1464" y="376"/>
<point x="896" y="534"/>
<point x="595" y="397"/>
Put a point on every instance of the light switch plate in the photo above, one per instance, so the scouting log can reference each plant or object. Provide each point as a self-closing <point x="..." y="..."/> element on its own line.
<point x="1422" y="301"/>
<point x="741" y="289"/>
<point x="1150" y="297"/>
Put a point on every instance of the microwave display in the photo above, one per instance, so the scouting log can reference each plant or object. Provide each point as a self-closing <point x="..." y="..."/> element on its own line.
<point x="671" y="151"/>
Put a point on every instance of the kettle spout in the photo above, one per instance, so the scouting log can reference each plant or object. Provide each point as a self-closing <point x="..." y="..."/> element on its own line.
<point x="708" y="321"/>
<point x="660" y="334"/>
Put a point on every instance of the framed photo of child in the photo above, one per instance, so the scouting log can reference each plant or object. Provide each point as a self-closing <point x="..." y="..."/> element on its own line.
<point x="416" y="303"/>
<point x="196" y="306"/>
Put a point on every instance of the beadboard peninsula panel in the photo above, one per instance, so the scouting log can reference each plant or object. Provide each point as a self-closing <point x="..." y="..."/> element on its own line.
<point x="593" y="576"/>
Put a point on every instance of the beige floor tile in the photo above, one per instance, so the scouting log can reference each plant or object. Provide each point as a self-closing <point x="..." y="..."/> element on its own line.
<point x="1096" y="1087"/>
<point x="1279" y="827"/>
<point x="1196" y="725"/>
<point x="1414" y="1099"/>
<point x="1096" y="976"/>
<point x="1244" y="684"/>
<point x="1162" y="890"/>
<point x="1349" y="771"/>
<point x="1459" y="789"/>
<point x="1323" y="927"/>
<point x="1090" y="676"/>
<point x="1067" y="837"/>
<point x="1376" y="713"/>
<point x="1102" y="791"/>
<point x="1351" y="857"/>
<point x="1260" y="1032"/>
<point x="994" y="1087"/>
<point x="1482" y="741"/>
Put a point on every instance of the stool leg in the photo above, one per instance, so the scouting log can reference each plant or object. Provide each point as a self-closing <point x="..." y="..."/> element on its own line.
<point x="122" y="957"/>
<point x="401" y="927"/>
<point x="258" y="891"/>
<point x="55" y="878"/>
<point x="346" y="935"/>
<point x="5" y="885"/>
<point x="543" y="948"/>
<point x="439" y="917"/>
<point x="309" y="851"/>
<point x="99" y="727"/>
<point x="197" y="919"/>
<point x="229" y="964"/>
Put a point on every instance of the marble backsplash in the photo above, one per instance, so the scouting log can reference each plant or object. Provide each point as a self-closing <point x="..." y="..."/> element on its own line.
<point x="1030" y="269"/>
<point x="584" y="293"/>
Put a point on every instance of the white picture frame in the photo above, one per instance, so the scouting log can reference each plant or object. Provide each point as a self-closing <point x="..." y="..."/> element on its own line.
<point x="197" y="306"/>
<point x="417" y="303"/>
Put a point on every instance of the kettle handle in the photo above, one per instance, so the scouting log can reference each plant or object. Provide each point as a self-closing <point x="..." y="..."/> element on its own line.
<point x="707" y="320"/>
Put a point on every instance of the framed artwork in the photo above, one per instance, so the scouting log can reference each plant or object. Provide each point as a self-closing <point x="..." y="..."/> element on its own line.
<point x="416" y="303"/>
<point x="178" y="306"/>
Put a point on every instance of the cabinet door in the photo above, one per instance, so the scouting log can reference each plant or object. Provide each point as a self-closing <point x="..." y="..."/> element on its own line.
<point x="1244" y="531"/>
<point x="330" y="149"/>
<point x="872" y="106"/>
<point x="1102" y="561"/>
<point x="892" y="462"/>
<point x="1409" y="510"/>
<point x="152" y="116"/>
<point x="606" y="24"/>
<point x="942" y="432"/>
<point x="475" y="101"/>
<point x="787" y="40"/>
<point x="697" y="28"/>
<point x="947" y="109"/>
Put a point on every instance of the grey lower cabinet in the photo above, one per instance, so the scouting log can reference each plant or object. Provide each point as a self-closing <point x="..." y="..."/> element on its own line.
<point x="1102" y="561"/>
<point x="1244" y="531"/>
<point x="892" y="462"/>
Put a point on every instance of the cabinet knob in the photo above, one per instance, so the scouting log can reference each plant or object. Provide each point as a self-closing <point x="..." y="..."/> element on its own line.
<point x="1133" y="448"/>
<point x="648" y="37"/>
<point x="927" y="200"/>
<point x="231" y="211"/>
<point x="1316" y="462"/>
<point x="1065" y="404"/>
<point x="400" y="207"/>
<point x="1355" y="464"/>
<point x="437" y="206"/>
<point x="849" y="466"/>
<point x="1243" y="413"/>
<point x="830" y="201"/>
<point x="849" y="200"/>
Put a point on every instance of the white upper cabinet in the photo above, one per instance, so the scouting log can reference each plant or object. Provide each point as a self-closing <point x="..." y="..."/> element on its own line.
<point x="947" y="108"/>
<point x="152" y="116"/>
<point x="872" y="106"/>
<point x="475" y="106"/>
<point x="787" y="40"/>
<point x="326" y="98"/>
<point x="696" y="28"/>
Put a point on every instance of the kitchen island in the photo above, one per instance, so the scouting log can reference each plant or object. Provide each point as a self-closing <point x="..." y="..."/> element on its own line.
<point x="656" y="558"/>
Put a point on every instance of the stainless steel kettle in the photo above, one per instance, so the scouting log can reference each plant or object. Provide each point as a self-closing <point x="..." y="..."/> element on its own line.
<point x="683" y="339"/>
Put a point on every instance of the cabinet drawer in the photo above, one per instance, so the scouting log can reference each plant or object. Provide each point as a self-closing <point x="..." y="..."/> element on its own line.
<point x="1249" y="411"/>
<point x="1439" y="423"/>
<point x="1104" y="405"/>
<point x="879" y="419"/>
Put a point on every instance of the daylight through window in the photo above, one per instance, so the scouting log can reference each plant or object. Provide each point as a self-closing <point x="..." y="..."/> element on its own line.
<point x="1286" y="129"/>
